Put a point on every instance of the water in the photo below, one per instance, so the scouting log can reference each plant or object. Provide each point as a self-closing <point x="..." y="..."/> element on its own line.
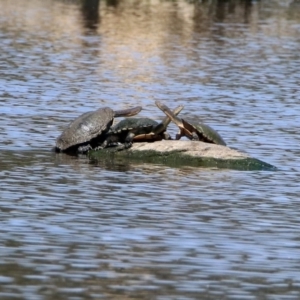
<point x="75" y="229"/>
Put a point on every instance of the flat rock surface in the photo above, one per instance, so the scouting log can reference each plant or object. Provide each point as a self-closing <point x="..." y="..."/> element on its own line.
<point x="192" y="148"/>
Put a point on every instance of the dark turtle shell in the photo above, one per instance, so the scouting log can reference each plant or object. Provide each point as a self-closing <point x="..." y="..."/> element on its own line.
<point x="139" y="129"/>
<point x="135" y="125"/>
<point x="89" y="126"/>
<point x="127" y="129"/>
<point x="200" y="132"/>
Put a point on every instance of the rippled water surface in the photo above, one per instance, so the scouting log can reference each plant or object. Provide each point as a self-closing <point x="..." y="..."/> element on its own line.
<point x="75" y="229"/>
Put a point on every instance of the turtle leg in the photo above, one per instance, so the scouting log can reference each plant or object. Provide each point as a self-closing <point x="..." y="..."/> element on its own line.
<point x="121" y="147"/>
<point x="129" y="140"/>
<point x="179" y="134"/>
<point x="127" y="144"/>
<point x="195" y="136"/>
<point x="166" y="136"/>
<point x="115" y="141"/>
<point x="84" y="148"/>
<point x="110" y="141"/>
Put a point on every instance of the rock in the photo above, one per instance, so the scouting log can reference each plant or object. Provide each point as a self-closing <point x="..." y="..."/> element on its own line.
<point x="192" y="148"/>
<point x="185" y="153"/>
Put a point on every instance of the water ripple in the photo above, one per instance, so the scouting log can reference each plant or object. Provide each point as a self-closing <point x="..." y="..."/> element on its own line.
<point x="76" y="229"/>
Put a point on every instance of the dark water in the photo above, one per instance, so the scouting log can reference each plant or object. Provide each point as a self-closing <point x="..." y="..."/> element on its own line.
<point x="75" y="229"/>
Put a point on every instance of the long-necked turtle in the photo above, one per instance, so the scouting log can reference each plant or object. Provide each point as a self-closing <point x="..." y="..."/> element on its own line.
<point x="140" y="129"/>
<point x="89" y="129"/>
<point x="198" y="132"/>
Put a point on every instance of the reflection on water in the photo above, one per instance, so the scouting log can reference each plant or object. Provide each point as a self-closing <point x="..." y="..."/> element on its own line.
<point x="75" y="229"/>
<point x="90" y="13"/>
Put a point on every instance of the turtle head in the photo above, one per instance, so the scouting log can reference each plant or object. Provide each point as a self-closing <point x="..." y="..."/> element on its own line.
<point x="171" y="115"/>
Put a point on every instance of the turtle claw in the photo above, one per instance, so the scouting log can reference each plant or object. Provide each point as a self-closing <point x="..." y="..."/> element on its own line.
<point x="98" y="148"/>
<point x="84" y="149"/>
<point x="124" y="146"/>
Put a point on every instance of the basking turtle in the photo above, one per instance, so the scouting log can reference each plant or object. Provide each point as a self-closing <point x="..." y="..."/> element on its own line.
<point x="89" y="130"/>
<point x="197" y="132"/>
<point x="140" y="129"/>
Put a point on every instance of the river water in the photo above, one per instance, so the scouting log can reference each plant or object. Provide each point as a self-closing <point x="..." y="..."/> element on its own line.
<point x="75" y="229"/>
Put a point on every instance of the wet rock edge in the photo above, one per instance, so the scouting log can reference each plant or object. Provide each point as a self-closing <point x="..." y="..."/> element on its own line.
<point x="184" y="153"/>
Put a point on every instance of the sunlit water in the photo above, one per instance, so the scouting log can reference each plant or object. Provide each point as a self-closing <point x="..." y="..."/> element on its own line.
<point x="75" y="229"/>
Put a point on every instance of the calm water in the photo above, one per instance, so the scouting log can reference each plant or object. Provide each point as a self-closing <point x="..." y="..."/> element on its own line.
<point x="75" y="229"/>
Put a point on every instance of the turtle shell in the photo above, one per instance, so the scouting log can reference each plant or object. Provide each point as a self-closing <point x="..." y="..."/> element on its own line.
<point x="86" y="127"/>
<point x="204" y="132"/>
<point x="134" y="125"/>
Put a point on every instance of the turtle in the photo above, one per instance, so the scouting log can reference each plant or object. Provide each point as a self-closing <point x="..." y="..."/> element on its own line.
<point x="140" y="129"/>
<point x="196" y="132"/>
<point x="88" y="131"/>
